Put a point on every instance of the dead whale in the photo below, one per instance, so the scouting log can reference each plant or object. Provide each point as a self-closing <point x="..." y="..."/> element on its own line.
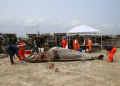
<point x="61" y="54"/>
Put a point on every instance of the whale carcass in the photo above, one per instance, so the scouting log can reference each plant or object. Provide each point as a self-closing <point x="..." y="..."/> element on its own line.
<point x="61" y="54"/>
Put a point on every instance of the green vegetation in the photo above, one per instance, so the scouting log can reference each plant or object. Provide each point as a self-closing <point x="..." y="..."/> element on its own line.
<point x="118" y="35"/>
<point x="24" y="39"/>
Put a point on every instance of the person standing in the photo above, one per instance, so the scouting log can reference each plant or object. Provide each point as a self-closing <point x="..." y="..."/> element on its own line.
<point x="21" y="52"/>
<point x="90" y="43"/>
<point x="11" y="49"/>
<point x="86" y="42"/>
<point x="75" y="43"/>
<point x="35" y="45"/>
<point x="78" y="46"/>
<point x="64" y="42"/>
<point x="111" y="50"/>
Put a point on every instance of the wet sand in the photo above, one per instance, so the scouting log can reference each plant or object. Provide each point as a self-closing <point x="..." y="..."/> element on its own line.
<point x="71" y="73"/>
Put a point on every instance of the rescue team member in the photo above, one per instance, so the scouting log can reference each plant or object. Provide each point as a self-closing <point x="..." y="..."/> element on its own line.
<point x="86" y="42"/>
<point x="64" y="42"/>
<point x="78" y="46"/>
<point x="111" y="50"/>
<point x="35" y="45"/>
<point x="21" y="52"/>
<point x="90" y="43"/>
<point x="11" y="49"/>
<point x="74" y="43"/>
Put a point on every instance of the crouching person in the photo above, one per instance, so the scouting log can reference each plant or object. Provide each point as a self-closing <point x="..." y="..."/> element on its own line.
<point x="111" y="50"/>
<point x="11" y="49"/>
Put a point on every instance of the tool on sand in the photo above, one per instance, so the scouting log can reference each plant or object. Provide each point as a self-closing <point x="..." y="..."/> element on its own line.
<point x="29" y="56"/>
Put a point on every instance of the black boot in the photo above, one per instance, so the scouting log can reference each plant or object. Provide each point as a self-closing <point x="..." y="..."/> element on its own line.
<point x="11" y="60"/>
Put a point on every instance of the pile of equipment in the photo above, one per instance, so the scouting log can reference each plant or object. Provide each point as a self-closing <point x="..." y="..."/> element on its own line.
<point x="1" y="43"/>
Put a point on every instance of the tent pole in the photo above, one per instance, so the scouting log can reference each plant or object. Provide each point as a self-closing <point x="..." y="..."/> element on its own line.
<point x="101" y="43"/>
<point x="67" y="39"/>
<point x="95" y="37"/>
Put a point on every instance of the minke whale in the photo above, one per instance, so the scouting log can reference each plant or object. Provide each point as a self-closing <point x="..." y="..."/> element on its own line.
<point x="61" y="54"/>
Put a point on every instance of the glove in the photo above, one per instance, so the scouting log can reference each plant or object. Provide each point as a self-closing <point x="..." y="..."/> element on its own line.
<point x="106" y="56"/>
<point x="13" y="56"/>
<point x="35" y="46"/>
<point x="22" y="59"/>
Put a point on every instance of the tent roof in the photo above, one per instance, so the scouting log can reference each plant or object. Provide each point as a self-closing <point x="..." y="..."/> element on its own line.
<point x="84" y="29"/>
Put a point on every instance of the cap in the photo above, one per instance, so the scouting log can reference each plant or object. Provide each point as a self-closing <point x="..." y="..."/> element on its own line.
<point x="19" y="38"/>
<point x="104" y="46"/>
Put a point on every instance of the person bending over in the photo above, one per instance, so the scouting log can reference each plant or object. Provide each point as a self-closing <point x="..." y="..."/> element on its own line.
<point x="11" y="49"/>
<point x="111" y="50"/>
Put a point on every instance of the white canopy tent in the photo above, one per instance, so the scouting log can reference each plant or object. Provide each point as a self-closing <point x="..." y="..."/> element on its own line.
<point x="83" y="29"/>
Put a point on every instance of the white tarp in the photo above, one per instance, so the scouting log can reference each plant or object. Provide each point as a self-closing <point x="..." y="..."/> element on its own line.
<point x="83" y="29"/>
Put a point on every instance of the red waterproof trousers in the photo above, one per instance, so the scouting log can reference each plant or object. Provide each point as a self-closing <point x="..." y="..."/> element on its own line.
<point x="111" y="54"/>
<point x="74" y="46"/>
<point x="90" y="45"/>
<point x="78" y="46"/>
<point x="22" y="52"/>
<point x="64" y="43"/>
<point x="86" y="43"/>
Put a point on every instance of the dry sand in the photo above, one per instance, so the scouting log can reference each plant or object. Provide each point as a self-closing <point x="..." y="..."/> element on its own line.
<point x="72" y="73"/>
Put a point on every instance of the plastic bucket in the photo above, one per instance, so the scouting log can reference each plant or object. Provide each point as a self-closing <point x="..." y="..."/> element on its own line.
<point x="83" y="51"/>
<point x="87" y="50"/>
<point x="42" y="49"/>
<point x="39" y="49"/>
<point x="80" y="50"/>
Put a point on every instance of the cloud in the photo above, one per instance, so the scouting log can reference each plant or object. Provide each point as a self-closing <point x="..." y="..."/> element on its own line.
<point x="56" y="22"/>
<point x="6" y="18"/>
<point x="22" y="27"/>
<point x="105" y="25"/>
<point x="33" y="22"/>
<point x="109" y="26"/>
<point x="41" y="20"/>
<point x="75" y="22"/>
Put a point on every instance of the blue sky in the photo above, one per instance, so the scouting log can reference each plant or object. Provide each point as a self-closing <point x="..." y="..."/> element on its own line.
<point x="54" y="16"/>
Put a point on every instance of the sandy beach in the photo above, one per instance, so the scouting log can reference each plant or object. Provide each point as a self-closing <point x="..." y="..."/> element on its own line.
<point x="71" y="73"/>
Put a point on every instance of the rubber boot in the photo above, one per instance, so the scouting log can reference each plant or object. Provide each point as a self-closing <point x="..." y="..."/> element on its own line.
<point x="11" y="60"/>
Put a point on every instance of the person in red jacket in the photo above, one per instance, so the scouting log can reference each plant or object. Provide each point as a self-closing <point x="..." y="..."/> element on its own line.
<point x="64" y="42"/>
<point x="78" y="46"/>
<point x="111" y="50"/>
<point x="21" y="52"/>
<point x="90" y="43"/>
<point x="74" y="43"/>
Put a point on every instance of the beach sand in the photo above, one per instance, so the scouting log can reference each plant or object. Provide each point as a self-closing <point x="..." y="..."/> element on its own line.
<point x="71" y="73"/>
